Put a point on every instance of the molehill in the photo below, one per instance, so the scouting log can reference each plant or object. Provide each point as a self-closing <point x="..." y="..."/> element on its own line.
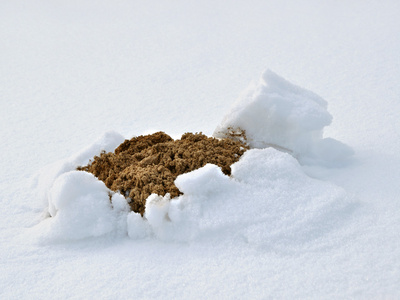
<point x="150" y="164"/>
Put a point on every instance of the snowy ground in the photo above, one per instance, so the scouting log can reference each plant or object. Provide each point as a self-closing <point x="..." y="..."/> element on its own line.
<point x="69" y="72"/>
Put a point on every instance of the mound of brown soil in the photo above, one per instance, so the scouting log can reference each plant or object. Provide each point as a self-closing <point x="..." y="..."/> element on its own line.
<point x="150" y="164"/>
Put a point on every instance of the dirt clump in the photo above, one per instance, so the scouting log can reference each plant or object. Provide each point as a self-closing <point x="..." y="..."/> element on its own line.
<point x="150" y="164"/>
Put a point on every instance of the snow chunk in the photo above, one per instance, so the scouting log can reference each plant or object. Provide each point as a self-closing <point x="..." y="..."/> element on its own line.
<point x="157" y="209"/>
<point x="77" y="202"/>
<point x="80" y="207"/>
<point x="137" y="227"/>
<point x="279" y="114"/>
<point x="46" y="177"/>
<point x="207" y="180"/>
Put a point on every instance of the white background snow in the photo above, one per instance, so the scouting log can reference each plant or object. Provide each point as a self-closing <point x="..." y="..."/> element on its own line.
<point x="72" y="70"/>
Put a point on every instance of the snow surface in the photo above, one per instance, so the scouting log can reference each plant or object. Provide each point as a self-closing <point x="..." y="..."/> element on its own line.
<point x="71" y="71"/>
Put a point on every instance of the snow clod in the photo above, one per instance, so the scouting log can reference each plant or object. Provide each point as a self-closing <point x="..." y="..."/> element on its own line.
<point x="276" y="113"/>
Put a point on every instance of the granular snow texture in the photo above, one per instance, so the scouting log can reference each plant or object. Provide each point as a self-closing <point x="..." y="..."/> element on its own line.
<point x="150" y="164"/>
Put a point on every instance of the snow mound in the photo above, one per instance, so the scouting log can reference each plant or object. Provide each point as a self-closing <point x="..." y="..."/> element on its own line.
<point x="150" y="163"/>
<point x="81" y="207"/>
<point x="276" y="113"/>
<point x="268" y="201"/>
<point x="46" y="177"/>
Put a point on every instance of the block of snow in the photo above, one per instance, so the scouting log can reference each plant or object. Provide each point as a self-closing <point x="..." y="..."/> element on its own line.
<point x="46" y="177"/>
<point x="80" y="207"/>
<point x="276" y="113"/>
<point x="137" y="227"/>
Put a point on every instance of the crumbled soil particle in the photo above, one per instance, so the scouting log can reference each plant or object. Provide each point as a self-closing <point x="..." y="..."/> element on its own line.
<point x="150" y="164"/>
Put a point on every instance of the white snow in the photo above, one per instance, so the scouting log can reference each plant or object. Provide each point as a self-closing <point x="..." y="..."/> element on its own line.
<point x="276" y="113"/>
<point x="79" y="207"/>
<point x="46" y="177"/>
<point x="267" y="200"/>
<point x="72" y="70"/>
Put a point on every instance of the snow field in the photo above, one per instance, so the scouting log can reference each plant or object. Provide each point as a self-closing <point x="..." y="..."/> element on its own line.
<point x="72" y="70"/>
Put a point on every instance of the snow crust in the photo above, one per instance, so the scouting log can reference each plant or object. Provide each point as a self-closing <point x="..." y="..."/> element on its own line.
<point x="276" y="113"/>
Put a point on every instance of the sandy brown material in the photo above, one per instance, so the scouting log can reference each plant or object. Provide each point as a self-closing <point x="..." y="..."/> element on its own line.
<point x="150" y="164"/>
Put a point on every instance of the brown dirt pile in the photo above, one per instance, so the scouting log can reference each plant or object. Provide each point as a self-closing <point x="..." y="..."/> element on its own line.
<point x="150" y="164"/>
